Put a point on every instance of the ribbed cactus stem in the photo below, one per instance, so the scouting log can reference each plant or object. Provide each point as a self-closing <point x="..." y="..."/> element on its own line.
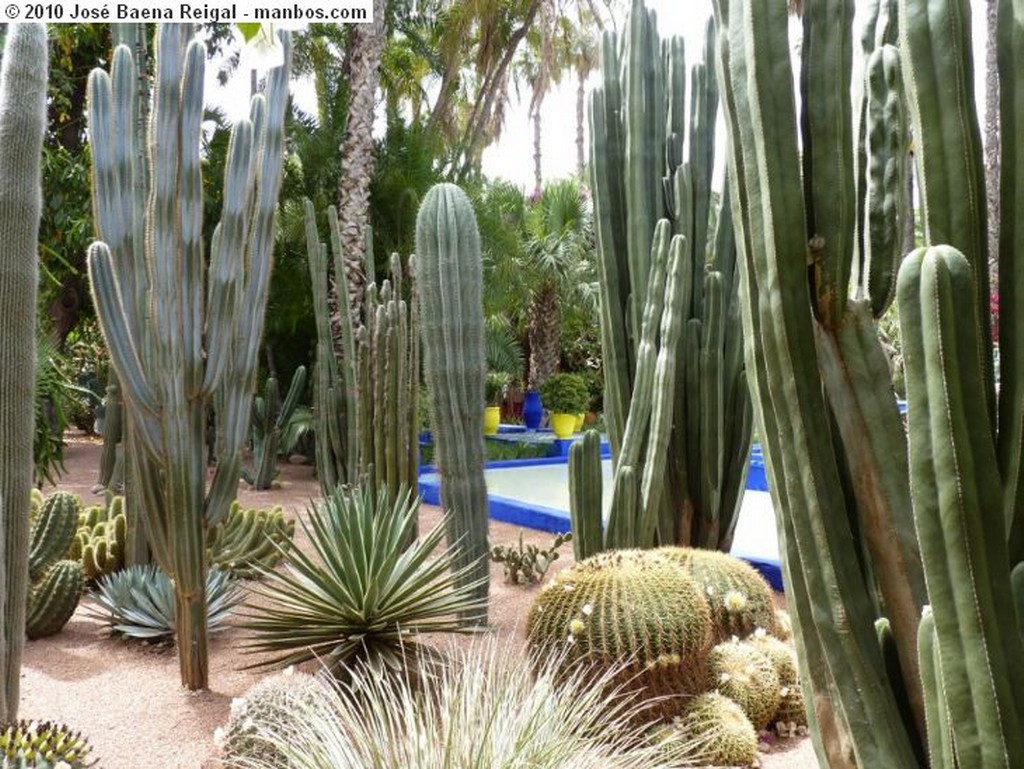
<point x="22" y="122"/>
<point x="452" y="330"/>
<point x="585" y="490"/>
<point x="174" y="348"/>
<point x="270" y="418"/>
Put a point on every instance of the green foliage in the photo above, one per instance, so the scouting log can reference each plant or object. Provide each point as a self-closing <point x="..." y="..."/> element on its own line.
<point x="565" y="394"/>
<point x="138" y="602"/>
<point x="43" y="745"/>
<point x="527" y="565"/>
<point x="487" y="708"/>
<point x="270" y="418"/>
<point x="250" y="541"/>
<point x="364" y="592"/>
<point x="495" y="387"/>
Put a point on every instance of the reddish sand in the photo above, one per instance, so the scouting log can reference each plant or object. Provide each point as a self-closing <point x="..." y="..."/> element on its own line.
<point x="127" y="699"/>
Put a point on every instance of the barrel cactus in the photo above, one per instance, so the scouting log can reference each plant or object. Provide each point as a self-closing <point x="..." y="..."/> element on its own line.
<point x="712" y="731"/>
<point x="748" y="677"/>
<point x="452" y="330"/>
<point x="56" y="583"/>
<point x="631" y="608"/>
<point x="739" y="598"/>
<point x="42" y="745"/>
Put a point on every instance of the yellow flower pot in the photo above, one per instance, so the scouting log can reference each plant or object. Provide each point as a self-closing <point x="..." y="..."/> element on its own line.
<point x="492" y="419"/>
<point x="580" y="418"/>
<point x="563" y="425"/>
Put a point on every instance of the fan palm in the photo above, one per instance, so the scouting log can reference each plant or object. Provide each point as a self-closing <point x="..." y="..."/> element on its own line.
<point x="365" y="593"/>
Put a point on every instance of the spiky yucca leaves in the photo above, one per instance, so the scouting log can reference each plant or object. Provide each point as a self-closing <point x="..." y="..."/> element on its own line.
<point x="486" y="709"/>
<point x="242" y="741"/>
<point x="742" y="673"/>
<point x="739" y="598"/>
<point x="628" y="608"/>
<point x="712" y="731"/>
<point x="364" y="592"/>
<point x="42" y="745"/>
<point x="250" y="539"/>
<point x="138" y="602"/>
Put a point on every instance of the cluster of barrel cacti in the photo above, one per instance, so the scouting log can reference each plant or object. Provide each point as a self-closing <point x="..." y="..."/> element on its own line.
<point x="907" y="537"/>
<point x="43" y="745"/>
<point x="676" y="623"/>
<point x="677" y="407"/>
<point x="270" y="417"/>
<point x="366" y="378"/>
<point x="55" y="580"/>
<point x="176" y="348"/>
<point x="250" y="540"/>
<point x="23" y="99"/>
<point x="99" y="542"/>
<point x="455" y="368"/>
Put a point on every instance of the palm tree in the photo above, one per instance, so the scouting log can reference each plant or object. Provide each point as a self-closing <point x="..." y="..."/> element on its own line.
<point x="363" y="57"/>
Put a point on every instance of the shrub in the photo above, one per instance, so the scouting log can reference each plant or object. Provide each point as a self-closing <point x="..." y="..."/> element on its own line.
<point x="565" y="394"/>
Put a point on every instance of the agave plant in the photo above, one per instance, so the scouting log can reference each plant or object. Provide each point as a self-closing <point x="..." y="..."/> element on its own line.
<point x="138" y="602"/>
<point x="485" y="709"/>
<point x="364" y="593"/>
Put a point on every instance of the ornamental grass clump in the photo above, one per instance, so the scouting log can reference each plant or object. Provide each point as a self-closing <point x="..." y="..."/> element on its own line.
<point x="485" y="709"/>
<point x="364" y="592"/>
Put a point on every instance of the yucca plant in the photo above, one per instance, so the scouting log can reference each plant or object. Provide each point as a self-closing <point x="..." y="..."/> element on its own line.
<point x="138" y="602"/>
<point x="364" y="593"/>
<point x="486" y="709"/>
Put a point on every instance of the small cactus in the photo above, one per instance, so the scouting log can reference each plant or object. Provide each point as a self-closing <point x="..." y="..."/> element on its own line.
<point x="743" y="674"/>
<point x="56" y="585"/>
<point x="270" y="417"/>
<point x="249" y="540"/>
<point x="42" y="745"/>
<point x="100" y="540"/>
<point x="714" y="731"/>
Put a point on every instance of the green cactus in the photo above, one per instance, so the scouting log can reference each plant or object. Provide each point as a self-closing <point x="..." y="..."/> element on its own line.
<point x="270" y="417"/>
<point x="676" y="403"/>
<point x="452" y="330"/>
<point x="22" y="122"/>
<point x="714" y="731"/>
<point x="749" y="678"/>
<point x="53" y="598"/>
<point x="175" y="350"/>
<point x="632" y="608"/>
<point x="835" y="447"/>
<point x="250" y="540"/>
<point x="52" y="532"/>
<point x="42" y="745"/>
<point x="366" y="381"/>
<point x="101" y="538"/>
<point x="740" y="600"/>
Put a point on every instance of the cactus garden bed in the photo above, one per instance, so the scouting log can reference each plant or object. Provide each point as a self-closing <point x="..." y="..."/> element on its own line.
<point x="127" y="698"/>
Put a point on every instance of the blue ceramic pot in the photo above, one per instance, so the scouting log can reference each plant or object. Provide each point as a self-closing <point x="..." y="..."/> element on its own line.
<point x="533" y="411"/>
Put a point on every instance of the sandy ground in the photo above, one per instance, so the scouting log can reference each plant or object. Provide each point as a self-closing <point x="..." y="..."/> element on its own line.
<point x="127" y="698"/>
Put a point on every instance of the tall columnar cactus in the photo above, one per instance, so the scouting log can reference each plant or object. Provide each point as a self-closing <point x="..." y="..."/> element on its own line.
<point x="366" y="383"/>
<point x="22" y="122"/>
<point x="452" y="326"/>
<point x="270" y="416"/>
<point x="676" y="401"/>
<point x="175" y="347"/>
<point x="823" y="207"/>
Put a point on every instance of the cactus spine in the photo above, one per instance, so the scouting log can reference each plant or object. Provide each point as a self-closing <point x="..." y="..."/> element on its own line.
<point x="676" y="402"/>
<point x="270" y="417"/>
<point x="166" y="375"/>
<point x="827" y="413"/>
<point x="452" y="326"/>
<point x="22" y="122"/>
<point x="56" y="583"/>
<point x="366" y="382"/>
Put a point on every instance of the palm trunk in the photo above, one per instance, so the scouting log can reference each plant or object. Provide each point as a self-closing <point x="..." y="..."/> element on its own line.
<point x="538" y="179"/>
<point x="581" y="94"/>
<point x="357" y="157"/>
<point x="543" y="334"/>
